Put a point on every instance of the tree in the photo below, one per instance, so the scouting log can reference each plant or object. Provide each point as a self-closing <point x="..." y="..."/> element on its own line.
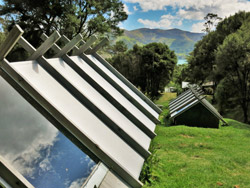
<point x="149" y="67"/>
<point x="118" y="47"/>
<point x="233" y="62"/>
<point x="211" y="21"/>
<point x="202" y="59"/>
<point x="69" y="17"/>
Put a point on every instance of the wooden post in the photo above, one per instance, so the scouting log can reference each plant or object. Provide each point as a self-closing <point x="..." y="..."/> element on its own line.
<point x="26" y="45"/>
<point x="87" y="45"/>
<point x="69" y="46"/>
<point x="55" y="47"/>
<point x="98" y="46"/>
<point x="45" y="46"/>
<point x="10" y="41"/>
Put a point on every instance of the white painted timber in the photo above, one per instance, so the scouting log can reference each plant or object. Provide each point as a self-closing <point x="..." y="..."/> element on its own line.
<point x="99" y="101"/>
<point x="96" y="177"/>
<point x="104" y="93"/>
<point x="10" y="41"/>
<point x="121" y="84"/>
<point x="45" y="46"/>
<point x="110" y="89"/>
<point x="69" y="46"/>
<point x="26" y="45"/>
<point x="128" y="83"/>
<point x="70" y="79"/>
<point x="12" y="176"/>
<point x="97" y="47"/>
<point x="111" y="180"/>
<point x="85" y="46"/>
<point x="80" y="116"/>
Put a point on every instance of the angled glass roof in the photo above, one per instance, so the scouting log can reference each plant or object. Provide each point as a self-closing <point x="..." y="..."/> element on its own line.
<point x="41" y="153"/>
<point x="112" y="91"/>
<point x="98" y="100"/>
<point x="79" y="115"/>
<point x="189" y="98"/>
<point x="93" y="106"/>
<point x="126" y="88"/>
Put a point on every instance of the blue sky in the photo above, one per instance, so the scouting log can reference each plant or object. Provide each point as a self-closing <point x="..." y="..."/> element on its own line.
<point x="182" y="14"/>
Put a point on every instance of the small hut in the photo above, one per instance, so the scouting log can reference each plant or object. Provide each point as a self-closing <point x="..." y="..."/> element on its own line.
<point x="192" y="109"/>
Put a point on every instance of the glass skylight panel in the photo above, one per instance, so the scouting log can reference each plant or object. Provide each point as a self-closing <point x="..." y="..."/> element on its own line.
<point x="112" y="91"/>
<point x="99" y="101"/>
<point x="35" y="148"/>
<point x="126" y="88"/>
<point x="80" y="117"/>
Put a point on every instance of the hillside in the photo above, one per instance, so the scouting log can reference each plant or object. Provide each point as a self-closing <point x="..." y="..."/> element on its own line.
<point x="198" y="157"/>
<point x="182" y="42"/>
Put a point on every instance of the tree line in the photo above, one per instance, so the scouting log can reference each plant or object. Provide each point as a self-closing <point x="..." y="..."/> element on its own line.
<point x="149" y="67"/>
<point x="223" y="56"/>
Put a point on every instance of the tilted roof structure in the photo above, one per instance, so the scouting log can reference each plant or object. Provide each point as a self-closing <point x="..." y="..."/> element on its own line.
<point x="191" y="108"/>
<point x="86" y="98"/>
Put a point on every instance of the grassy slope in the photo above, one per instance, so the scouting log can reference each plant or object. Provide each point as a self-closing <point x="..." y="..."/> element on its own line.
<point x="198" y="157"/>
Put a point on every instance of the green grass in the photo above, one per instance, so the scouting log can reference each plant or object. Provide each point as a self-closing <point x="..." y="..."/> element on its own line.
<point x="165" y="98"/>
<point x="189" y="157"/>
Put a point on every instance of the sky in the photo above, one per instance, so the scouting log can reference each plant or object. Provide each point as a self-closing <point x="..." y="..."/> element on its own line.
<point x="187" y="15"/>
<point x="35" y="148"/>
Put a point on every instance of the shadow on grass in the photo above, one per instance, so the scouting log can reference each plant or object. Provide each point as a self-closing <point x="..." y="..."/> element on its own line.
<point x="237" y="124"/>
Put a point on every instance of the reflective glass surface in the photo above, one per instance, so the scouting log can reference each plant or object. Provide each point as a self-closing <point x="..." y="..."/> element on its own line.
<point x="35" y="148"/>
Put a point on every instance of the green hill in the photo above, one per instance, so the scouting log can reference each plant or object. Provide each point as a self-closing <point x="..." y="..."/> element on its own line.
<point x="191" y="157"/>
<point x="182" y="42"/>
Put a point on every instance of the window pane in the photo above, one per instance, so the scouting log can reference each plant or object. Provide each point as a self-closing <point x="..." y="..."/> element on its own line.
<point x="43" y="155"/>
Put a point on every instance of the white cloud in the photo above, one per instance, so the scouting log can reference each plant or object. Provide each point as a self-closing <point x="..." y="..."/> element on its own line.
<point x="179" y="23"/>
<point x="191" y="15"/>
<point x="77" y="183"/>
<point x="24" y="132"/>
<point x="125" y="8"/>
<point x="196" y="9"/>
<point x="197" y="27"/>
<point x="135" y="8"/>
<point x="166" y="22"/>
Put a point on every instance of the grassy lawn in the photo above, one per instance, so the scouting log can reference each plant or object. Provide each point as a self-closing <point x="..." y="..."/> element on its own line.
<point x="199" y="157"/>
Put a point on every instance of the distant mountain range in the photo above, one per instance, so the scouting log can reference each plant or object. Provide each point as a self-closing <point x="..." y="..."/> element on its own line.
<point x="182" y="42"/>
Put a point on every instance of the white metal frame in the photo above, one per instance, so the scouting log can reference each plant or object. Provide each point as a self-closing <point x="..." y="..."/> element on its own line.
<point x="9" y="72"/>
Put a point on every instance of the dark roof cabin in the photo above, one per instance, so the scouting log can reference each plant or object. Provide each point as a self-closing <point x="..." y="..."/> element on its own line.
<point x="192" y="109"/>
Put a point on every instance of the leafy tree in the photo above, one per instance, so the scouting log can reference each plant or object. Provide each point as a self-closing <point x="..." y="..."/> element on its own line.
<point x="202" y="60"/>
<point x="226" y="95"/>
<point x="69" y="17"/>
<point x="233" y="60"/>
<point x="149" y="67"/>
<point x="179" y="74"/>
<point x="119" y="47"/>
<point x="211" y="21"/>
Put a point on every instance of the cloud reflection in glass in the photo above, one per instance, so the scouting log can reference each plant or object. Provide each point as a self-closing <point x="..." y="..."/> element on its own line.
<point x="42" y="154"/>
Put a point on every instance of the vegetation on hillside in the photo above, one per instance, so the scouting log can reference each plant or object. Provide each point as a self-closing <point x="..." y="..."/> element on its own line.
<point x="223" y="56"/>
<point x="149" y="67"/>
<point x="182" y="42"/>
